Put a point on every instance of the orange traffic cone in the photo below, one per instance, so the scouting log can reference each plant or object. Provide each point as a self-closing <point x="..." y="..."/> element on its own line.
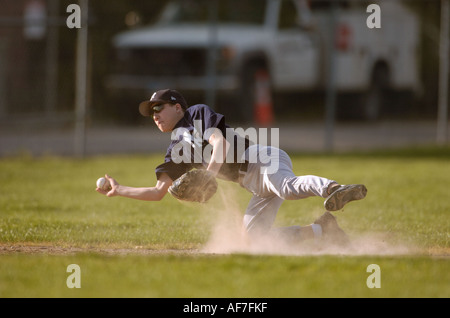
<point x="263" y="107"/>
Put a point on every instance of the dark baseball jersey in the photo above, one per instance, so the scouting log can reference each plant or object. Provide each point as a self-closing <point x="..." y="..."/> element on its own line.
<point x="190" y="148"/>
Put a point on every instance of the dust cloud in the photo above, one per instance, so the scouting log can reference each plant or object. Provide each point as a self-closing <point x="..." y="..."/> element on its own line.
<point x="228" y="236"/>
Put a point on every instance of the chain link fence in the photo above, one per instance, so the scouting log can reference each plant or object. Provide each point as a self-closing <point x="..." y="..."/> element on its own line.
<point x="38" y="58"/>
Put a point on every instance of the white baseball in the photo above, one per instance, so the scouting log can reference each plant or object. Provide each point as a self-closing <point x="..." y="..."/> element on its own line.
<point x="103" y="184"/>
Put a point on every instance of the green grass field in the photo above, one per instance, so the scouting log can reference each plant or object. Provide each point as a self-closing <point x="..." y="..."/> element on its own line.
<point x="51" y="217"/>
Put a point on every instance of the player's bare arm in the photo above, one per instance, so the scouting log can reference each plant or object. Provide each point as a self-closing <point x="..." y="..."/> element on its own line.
<point x="219" y="153"/>
<point x="155" y="193"/>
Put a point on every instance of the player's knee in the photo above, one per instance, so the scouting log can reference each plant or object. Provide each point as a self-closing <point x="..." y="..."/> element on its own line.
<point x="288" y="194"/>
<point x="292" y="191"/>
<point x="287" y="190"/>
<point x="258" y="228"/>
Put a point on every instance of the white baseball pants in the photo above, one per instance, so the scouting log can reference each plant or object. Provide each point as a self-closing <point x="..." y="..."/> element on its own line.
<point x="270" y="178"/>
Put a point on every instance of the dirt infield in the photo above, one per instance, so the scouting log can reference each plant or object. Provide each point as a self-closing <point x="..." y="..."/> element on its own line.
<point x="47" y="249"/>
<point x="58" y="250"/>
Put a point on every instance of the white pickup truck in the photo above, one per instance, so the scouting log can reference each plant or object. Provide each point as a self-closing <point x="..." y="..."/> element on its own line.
<point x="288" y="39"/>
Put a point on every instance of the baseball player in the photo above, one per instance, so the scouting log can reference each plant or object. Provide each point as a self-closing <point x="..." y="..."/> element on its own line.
<point x="264" y="171"/>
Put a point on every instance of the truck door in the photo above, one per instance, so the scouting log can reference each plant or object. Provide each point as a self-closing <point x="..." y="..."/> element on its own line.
<point x="296" y="53"/>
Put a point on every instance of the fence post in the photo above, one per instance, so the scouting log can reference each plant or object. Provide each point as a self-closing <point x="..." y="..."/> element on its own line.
<point x="51" y="62"/>
<point x="330" y="98"/>
<point x="3" y="61"/>
<point x="442" y="118"/>
<point x="81" y="82"/>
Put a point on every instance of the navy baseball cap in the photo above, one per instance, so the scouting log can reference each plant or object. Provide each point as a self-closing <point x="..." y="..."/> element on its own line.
<point x="164" y="96"/>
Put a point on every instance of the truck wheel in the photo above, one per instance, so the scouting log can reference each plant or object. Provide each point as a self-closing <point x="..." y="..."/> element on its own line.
<point x="375" y="97"/>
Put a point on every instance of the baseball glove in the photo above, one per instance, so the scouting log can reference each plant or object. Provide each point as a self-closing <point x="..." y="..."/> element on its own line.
<point x="194" y="186"/>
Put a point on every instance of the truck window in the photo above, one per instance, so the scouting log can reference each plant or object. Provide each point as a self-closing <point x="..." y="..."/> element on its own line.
<point x="229" y="11"/>
<point x="288" y="15"/>
<point x="326" y="4"/>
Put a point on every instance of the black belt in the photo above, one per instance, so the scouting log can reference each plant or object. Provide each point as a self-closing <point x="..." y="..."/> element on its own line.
<point x="242" y="171"/>
<point x="243" y="166"/>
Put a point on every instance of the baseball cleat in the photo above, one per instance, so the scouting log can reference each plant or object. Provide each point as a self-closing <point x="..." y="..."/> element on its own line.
<point x="343" y="195"/>
<point x="331" y="232"/>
